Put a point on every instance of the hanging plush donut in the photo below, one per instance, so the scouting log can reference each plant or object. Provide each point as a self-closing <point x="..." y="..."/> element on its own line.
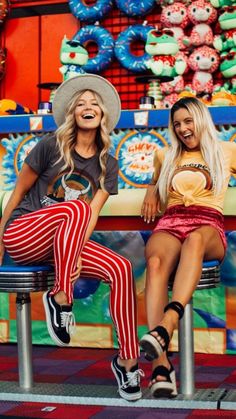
<point x="122" y="48"/>
<point x="135" y="7"/>
<point x="105" y="44"/>
<point x="90" y="13"/>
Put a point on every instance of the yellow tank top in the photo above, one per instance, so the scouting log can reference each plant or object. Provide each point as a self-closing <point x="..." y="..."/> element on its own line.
<point x="191" y="183"/>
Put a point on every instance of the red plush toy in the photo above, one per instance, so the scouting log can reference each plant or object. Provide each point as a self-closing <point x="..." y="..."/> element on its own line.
<point x="202" y="14"/>
<point x="175" y="17"/>
<point x="203" y="61"/>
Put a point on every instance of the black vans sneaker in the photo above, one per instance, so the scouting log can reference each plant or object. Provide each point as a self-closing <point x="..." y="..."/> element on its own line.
<point x="59" y="319"/>
<point x="128" y="382"/>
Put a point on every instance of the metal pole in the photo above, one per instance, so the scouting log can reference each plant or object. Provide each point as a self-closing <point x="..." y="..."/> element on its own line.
<point x="24" y="340"/>
<point x="186" y="351"/>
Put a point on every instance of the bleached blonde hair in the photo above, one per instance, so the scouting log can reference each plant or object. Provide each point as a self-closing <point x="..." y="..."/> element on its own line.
<point x="67" y="132"/>
<point x="212" y="153"/>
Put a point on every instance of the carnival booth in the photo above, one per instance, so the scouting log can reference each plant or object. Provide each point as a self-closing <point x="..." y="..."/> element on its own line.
<point x="42" y="44"/>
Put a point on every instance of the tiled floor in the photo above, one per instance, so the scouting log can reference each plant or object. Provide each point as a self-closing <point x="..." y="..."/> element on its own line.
<point x="75" y="366"/>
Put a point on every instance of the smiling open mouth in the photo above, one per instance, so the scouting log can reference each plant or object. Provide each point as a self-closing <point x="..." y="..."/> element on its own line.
<point x="88" y="116"/>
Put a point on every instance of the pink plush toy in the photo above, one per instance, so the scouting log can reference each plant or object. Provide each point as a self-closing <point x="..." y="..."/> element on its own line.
<point x="175" y="17"/>
<point x="202" y="14"/>
<point x="169" y="100"/>
<point x="203" y="61"/>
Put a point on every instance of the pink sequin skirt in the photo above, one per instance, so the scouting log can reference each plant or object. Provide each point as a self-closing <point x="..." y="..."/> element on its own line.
<point x="180" y="221"/>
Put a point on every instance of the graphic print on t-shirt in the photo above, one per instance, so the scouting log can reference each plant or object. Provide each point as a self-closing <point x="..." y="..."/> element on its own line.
<point x="190" y="180"/>
<point x="65" y="188"/>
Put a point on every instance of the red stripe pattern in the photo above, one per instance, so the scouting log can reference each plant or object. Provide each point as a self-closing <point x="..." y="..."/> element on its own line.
<point x="57" y="233"/>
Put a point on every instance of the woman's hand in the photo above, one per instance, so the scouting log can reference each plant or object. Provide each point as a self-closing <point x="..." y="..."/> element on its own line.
<point x="150" y="205"/>
<point x="2" y="251"/>
<point x="75" y="275"/>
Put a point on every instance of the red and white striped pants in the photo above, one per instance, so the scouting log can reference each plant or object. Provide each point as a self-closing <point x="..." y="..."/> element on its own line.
<point x="57" y="233"/>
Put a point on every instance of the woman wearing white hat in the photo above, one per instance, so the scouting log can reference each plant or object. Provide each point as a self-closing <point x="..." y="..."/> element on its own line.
<point x="65" y="181"/>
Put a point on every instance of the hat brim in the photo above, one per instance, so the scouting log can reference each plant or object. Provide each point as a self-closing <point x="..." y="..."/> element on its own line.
<point x="98" y="84"/>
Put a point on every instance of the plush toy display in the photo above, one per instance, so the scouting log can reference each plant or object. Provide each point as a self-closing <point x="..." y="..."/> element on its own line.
<point x="73" y="56"/>
<point x="227" y="23"/>
<point x="202" y="14"/>
<point x="203" y="61"/>
<point x="10" y="107"/>
<point x="162" y="48"/>
<point x="175" y="17"/>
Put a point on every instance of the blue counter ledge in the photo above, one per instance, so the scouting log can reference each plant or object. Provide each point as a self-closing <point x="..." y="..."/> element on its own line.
<point x="128" y="119"/>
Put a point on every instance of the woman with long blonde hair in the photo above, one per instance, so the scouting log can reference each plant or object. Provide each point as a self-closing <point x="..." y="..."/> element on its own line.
<point x="189" y="183"/>
<point x="64" y="183"/>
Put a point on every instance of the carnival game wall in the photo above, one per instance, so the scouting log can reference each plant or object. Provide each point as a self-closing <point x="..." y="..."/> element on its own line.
<point x="33" y="45"/>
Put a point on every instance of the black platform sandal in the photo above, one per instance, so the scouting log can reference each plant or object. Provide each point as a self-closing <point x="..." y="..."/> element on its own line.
<point x="149" y="343"/>
<point x="164" y="388"/>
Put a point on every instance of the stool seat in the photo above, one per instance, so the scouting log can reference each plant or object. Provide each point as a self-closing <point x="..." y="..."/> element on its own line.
<point x="210" y="277"/>
<point x="25" y="279"/>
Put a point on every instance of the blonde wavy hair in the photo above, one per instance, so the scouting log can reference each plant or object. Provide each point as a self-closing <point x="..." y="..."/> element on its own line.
<point x="210" y="148"/>
<point x="66" y="136"/>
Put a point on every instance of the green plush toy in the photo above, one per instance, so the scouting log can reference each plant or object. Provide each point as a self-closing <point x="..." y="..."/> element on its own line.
<point x="227" y="21"/>
<point x="162" y="48"/>
<point x="222" y="3"/>
<point x="73" y="56"/>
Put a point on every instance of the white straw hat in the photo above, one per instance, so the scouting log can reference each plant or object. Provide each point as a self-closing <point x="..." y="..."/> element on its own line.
<point x="98" y="84"/>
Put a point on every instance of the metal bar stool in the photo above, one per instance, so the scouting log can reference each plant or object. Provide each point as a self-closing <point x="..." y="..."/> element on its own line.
<point x="210" y="278"/>
<point x="23" y="280"/>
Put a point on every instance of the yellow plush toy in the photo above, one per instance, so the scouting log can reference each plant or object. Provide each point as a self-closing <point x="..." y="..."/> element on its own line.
<point x="10" y="107"/>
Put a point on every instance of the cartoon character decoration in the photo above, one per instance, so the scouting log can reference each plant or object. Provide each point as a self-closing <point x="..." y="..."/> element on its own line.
<point x="175" y="17"/>
<point x="4" y="10"/>
<point x="203" y="61"/>
<point x="227" y="22"/>
<point x="2" y="62"/>
<point x="10" y="107"/>
<point x="73" y="56"/>
<point x="162" y="48"/>
<point x="201" y="14"/>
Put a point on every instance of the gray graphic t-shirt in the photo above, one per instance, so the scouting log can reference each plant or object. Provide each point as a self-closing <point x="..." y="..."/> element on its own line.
<point x="54" y="186"/>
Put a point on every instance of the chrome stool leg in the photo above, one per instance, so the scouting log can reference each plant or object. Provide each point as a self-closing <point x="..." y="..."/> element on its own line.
<point x="186" y="351"/>
<point x="24" y="340"/>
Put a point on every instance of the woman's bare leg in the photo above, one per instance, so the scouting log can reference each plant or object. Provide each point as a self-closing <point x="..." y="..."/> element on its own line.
<point x="203" y="243"/>
<point x="162" y="255"/>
